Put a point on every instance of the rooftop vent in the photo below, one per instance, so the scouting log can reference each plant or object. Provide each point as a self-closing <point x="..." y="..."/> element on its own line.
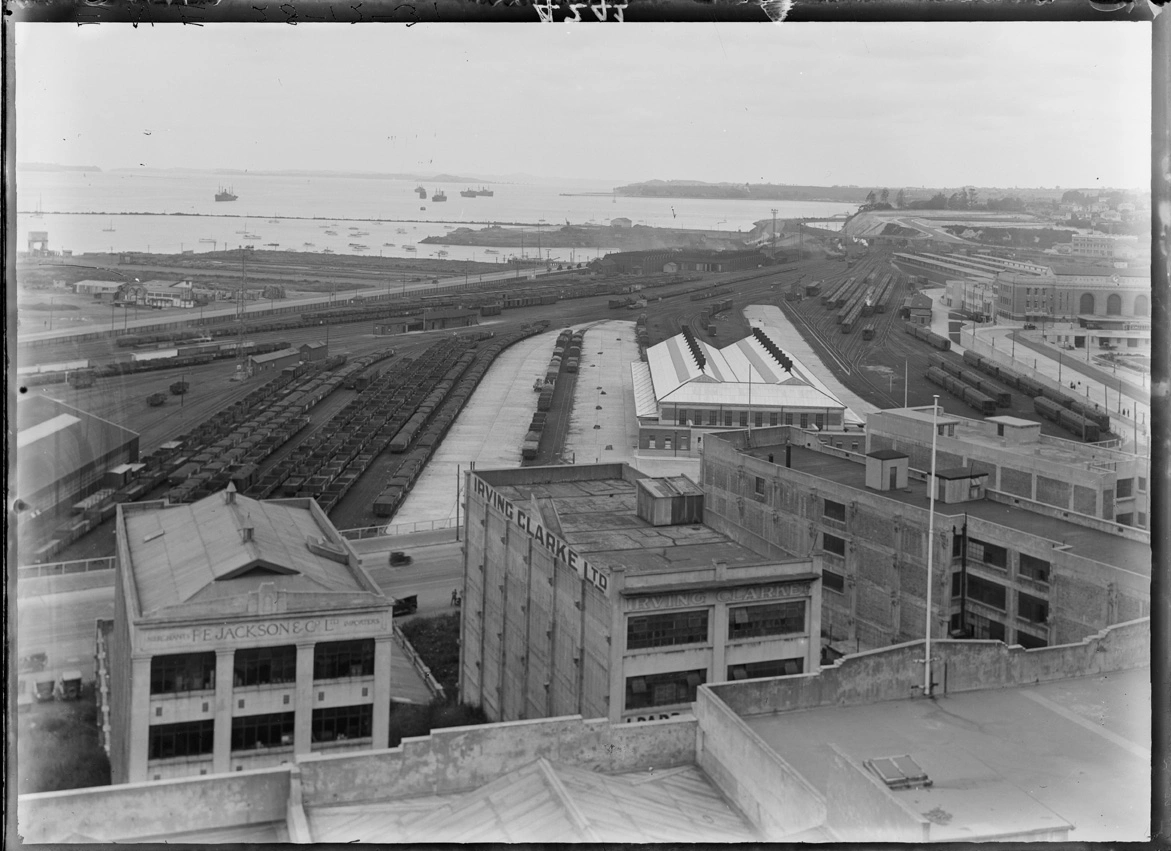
<point x="246" y="530"/>
<point x="899" y="772"/>
<point x="230" y="494"/>
<point x="696" y="351"/>
<point x="670" y="501"/>
<point x="771" y="347"/>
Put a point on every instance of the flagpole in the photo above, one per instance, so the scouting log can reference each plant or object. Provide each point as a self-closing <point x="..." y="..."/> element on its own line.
<point x="930" y="547"/>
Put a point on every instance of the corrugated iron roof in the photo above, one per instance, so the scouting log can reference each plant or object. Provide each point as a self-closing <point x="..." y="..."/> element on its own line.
<point x="644" y="390"/>
<point x="283" y="353"/>
<point x="197" y="553"/>
<point x="550" y="802"/>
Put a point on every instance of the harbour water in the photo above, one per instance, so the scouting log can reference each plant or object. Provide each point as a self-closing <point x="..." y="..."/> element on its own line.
<point x="166" y="212"/>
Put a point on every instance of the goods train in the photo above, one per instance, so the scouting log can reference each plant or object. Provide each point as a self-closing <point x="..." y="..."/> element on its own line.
<point x="970" y="395"/>
<point x="928" y="336"/>
<point x="1067" y="419"/>
<point x="973" y="379"/>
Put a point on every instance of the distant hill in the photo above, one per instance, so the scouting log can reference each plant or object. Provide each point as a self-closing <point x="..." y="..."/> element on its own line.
<point x="746" y="191"/>
<point x="54" y="167"/>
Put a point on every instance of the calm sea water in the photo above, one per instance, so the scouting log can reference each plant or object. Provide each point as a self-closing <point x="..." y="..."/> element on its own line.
<point x="95" y="211"/>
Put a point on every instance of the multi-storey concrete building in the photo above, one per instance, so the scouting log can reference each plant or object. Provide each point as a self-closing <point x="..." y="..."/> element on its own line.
<point x="1075" y="292"/>
<point x="1005" y="566"/>
<point x="596" y="591"/>
<point x="244" y="632"/>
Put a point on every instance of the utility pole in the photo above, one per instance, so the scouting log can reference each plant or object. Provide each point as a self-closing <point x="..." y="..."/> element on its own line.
<point x="774" y="234"/>
<point x="930" y="547"/>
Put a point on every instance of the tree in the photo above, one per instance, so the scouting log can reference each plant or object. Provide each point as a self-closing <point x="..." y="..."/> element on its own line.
<point x="870" y="199"/>
<point x="901" y="199"/>
<point x="884" y="195"/>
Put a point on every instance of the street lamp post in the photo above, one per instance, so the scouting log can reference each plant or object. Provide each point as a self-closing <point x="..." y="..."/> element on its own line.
<point x="930" y="547"/>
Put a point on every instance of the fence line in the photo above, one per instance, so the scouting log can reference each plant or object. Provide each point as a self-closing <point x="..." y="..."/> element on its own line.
<point x="428" y="678"/>
<point x="392" y="530"/>
<point x="65" y="568"/>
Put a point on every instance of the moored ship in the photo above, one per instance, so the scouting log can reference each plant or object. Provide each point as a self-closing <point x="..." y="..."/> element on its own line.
<point x="439" y="196"/>
<point x="225" y="194"/>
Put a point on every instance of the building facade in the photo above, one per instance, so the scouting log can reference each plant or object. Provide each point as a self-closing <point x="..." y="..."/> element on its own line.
<point x="1002" y="567"/>
<point x="1075" y="292"/>
<point x="596" y="591"/>
<point x="244" y="632"/>
<point x="273" y="361"/>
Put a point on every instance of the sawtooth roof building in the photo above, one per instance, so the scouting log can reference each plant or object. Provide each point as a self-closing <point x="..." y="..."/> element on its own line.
<point x="686" y="387"/>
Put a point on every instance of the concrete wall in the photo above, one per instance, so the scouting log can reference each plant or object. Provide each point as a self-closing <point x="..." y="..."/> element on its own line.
<point x="896" y="672"/>
<point x="769" y="791"/>
<point x="160" y="808"/>
<point x="463" y="758"/>
<point x="861" y="809"/>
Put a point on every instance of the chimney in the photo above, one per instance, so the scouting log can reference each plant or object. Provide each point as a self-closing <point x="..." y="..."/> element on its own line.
<point x="246" y="530"/>
<point x="230" y="494"/>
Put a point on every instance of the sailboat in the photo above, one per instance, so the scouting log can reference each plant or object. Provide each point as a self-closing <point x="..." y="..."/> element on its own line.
<point x="37" y="212"/>
<point x="110" y="229"/>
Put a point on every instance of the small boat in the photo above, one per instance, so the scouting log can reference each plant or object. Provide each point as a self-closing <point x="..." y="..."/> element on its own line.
<point x="252" y="236"/>
<point x="307" y="244"/>
<point x="439" y="196"/>
<point x="359" y="247"/>
<point x="440" y="253"/>
<point x="388" y="245"/>
<point x="422" y="208"/>
<point x="208" y="239"/>
<point x="331" y="232"/>
<point x="110" y="229"/>
<point x="400" y="230"/>
<point x="491" y="251"/>
<point x="274" y="221"/>
<point x="409" y="248"/>
<point x="469" y="193"/>
<point x="327" y="251"/>
<point x="37" y="213"/>
<point x="225" y="194"/>
<point x="272" y="245"/>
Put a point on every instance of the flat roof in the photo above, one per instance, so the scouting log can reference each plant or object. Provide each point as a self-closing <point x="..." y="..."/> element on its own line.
<point x="1015" y="422"/>
<point x="887" y="454"/>
<point x="1002" y="759"/>
<point x="55" y="441"/>
<point x="283" y="353"/>
<point x="1083" y="541"/>
<point x="196" y="553"/>
<point x="598" y="518"/>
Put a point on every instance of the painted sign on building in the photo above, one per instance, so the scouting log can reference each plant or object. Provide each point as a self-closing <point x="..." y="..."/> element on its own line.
<point x="558" y="548"/>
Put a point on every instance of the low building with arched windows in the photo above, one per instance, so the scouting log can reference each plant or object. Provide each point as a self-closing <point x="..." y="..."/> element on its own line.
<point x="1086" y="294"/>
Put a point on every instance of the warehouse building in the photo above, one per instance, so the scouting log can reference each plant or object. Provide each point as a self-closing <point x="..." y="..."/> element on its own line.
<point x="594" y="590"/>
<point x="100" y="290"/>
<point x="244" y="632"/>
<point x="1048" y="473"/>
<point x="62" y="455"/>
<point x="1005" y="566"/>
<point x="686" y="388"/>
<point x="273" y="361"/>
<point x="314" y="351"/>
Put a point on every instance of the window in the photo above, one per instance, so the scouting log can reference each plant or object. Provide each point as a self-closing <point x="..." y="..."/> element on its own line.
<point x="334" y="659"/>
<point x="1125" y="519"/>
<point x="667" y="629"/>
<point x="711" y="418"/>
<point x="758" y="418"/>
<point x="957" y="544"/>
<point x="1142" y="520"/>
<point x="1034" y="568"/>
<point x="663" y="689"/>
<point x="182" y="672"/>
<point x="265" y="666"/>
<point x="744" y="418"/>
<point x="1032" y="609"/>
<point x="1124" y="488"/>
<point x="651" y="442"/>
<point x="957" y="584"/>
<point x="833" y="581"/>
<point x="1142" y="485"/>
<point x="988" y="593"/>
<point x="727" y="418"/>
<point x="833" y="544"/>
<point x="772" y="418"/>
<point x="681" y="415"/>
<point x="805" y="421"/>
<point x="819" y="421"/>
<point x="788" y="419"/>
<point x="769" y="619"/>
<point x="337" y="723"/>
<point x="250" y="732"/>
<point x="190" y="738"/>
<point x="759" y="486"/>
<point x="774" y="668"/>
<point x="834" y="511"/>
<point x="990" y="554"/>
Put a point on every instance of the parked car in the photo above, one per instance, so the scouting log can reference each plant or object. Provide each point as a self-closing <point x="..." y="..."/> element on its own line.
<point x="406" y="605"/>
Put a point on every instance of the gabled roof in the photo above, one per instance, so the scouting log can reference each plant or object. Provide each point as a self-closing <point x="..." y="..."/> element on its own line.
<point x="552" y="802"/>
<point x="198" y="553"/>
<point x="283" y="353"/>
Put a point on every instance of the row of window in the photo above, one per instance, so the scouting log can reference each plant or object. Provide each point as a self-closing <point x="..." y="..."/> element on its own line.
<point x="680" y="686"/>
<point x="253" y="732"/>
<point x="1030" y="608"/>
<point x="261" y="666"/>
<point x="730" y="419"/>
<point x="980" y="627"/>
<point x="691" y="627"/>
<point x="994" y="555"/>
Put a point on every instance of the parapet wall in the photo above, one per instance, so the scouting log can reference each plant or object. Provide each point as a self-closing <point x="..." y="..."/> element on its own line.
<point x="462" y="758"/>
<point x="135" y="810"/>
<point x="896" y="672"/>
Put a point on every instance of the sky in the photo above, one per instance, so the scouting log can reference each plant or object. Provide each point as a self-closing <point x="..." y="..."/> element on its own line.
<point x="896" y="104"/>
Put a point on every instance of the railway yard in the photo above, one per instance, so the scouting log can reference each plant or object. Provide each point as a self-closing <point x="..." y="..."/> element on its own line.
<point x="355" y="432"/>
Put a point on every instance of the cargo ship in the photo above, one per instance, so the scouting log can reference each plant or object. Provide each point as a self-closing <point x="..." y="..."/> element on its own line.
<point x="225" y="194"/>
<point x="469" y="193"/>
<point x="487" y="193"/>
<point x="439" y="196"/>
<point x="421" y="192"/>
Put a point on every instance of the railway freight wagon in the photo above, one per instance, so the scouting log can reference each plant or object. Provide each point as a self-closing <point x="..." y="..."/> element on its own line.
<point x="1026" y="385"/>
<point x="973" y="379"/>
<point x="970" y="395"/>
<point x="1067" y="419"/>
<point x="928" y="336"/>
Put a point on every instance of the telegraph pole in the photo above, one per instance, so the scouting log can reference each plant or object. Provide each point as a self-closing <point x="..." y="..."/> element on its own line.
<point x="774" y="234"/>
